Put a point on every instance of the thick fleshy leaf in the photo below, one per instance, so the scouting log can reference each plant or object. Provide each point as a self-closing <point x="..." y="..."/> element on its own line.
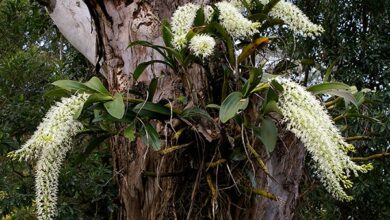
<point x="226" y="39"/>
<point x="152" y="137"/>
<point x="251" y="48"/>
<point x="329" y="71"/>
<point x="167" y="33"/>
<point x="334" y="88"/>
<point x="324" y="87"/>
<point x="71" y="85"/>
<point x="253" y="81"/>
<point x="152" y="109"/>
<point x="271" y="106"/>
<point x="116" y="107"/>
<point x="152" y="88"/>
<point x="142" y="66"/>
<point x="231" y="105"/>
<point x="97" y="97"/>
<point x="200" y="17"/>
<point x="268" y="134"/>
<point x="95" y="84"/>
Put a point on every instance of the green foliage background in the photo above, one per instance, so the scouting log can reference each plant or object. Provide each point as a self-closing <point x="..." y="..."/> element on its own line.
<point x="33" y="54"/>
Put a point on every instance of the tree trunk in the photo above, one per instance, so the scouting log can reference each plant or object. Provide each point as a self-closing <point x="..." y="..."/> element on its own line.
<point x="153" y="186"/>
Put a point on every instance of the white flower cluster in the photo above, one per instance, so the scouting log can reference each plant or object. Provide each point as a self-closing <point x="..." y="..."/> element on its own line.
<point x="49" y="144"/>
<point x="309" y="121"/>
<point x="202" y="45"/>
<point x="234" y="22"/>
<point x="297" y="21"/>
<point x="181" y="23"/>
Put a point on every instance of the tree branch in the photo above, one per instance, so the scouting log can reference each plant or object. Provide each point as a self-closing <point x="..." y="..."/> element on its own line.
<point x="372" y="157"/>
<point x="357" y="138"/>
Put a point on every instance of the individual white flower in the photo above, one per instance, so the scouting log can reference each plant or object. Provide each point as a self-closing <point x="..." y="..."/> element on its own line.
<point x="234" y="22"/>
<point x="49" y="144"/>
<point x="181" y="23"/>
<point x="297" y="21"/>
<point x="202" y="45"/>
<point x="309" y="121"/>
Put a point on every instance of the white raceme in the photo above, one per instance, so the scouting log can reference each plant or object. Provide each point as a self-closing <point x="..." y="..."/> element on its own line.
<point x="296" y="20"/>
<point x="234" y="22"/>
<point x="49" y="145"/>
<point x="309" y="121"/>
<point x="202" y="45"/>
<point x="181" y="23"/>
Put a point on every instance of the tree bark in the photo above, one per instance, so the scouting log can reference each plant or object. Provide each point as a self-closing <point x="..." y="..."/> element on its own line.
<point x="153" y="186"/>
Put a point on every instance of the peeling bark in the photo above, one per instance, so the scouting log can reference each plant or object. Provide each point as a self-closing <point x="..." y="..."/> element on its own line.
<point x="74" y="21"/>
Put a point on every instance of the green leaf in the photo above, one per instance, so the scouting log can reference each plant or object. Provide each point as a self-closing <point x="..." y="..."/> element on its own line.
<point x="56" y="92"/>
<point x="334" y="88"/>
<point x="71" y="85"/>
<point x="152" y="88"/>
<point x="97" y="97"/>
<point x="260" y="87"/>
<point x="324" y="87"/>
<point x="95" y="84"/>
<point x="214" y="106"/>
<point x="196" y="112"/>
<point x="227" y="39"/>
<point x="252" y="81"/>
<point x="116" y="108"/>
<point x="271" y="107"/>
<point x="268" y="134"/>
<point x="200" y="17"/>
<point x="159" y="49"/>
<point x="231" y="105"/>
<point x="129" y="132"/>
<point x="346" y="95"/>
<point x="268" y="7"/>
<point x="152" y="137"/>
<point x="329" y="71"/>
<point x="251" y="48"/>
<point x="142" y="66"/>
<point x="151" y="109"/>
<point x="258" y="17"/>
<point x="276" y="86"/>
<point x="167" y="34"/>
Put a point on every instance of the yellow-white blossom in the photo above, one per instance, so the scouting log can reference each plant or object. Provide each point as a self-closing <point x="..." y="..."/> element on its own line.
<point x="297" y="21"/>
<point x="309" y="121"/>
<point x="182" y="21"/>
<point x="234" y="22"/>
<point x="202" y="45"/>
<point x="49" y="145"/>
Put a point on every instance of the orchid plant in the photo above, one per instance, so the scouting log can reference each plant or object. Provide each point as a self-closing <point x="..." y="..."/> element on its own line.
<point x="192" y="37"/>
